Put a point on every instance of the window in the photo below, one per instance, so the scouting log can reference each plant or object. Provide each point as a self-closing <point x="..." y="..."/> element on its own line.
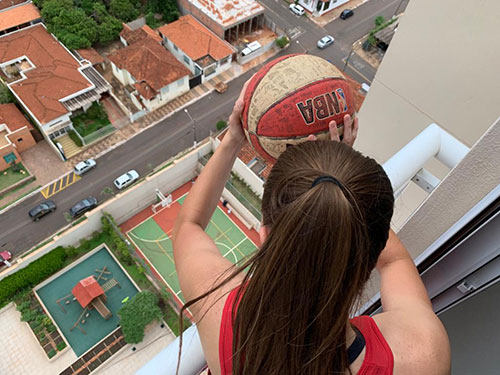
<point x="19" y="139"/>
<point x="210" y="70"/>
<point x="186" y="59"/>
<point x="10" y="158"/>
<point x="175" y="47"/>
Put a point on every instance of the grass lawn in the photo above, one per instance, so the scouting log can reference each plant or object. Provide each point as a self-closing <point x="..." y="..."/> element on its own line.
<point x="94" y="119"/>
<point x="8" y="177"/>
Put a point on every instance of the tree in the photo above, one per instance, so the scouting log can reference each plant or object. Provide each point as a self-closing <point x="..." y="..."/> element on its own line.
<point x="170" y="11"/>
<point x="53" y="8"/>
<point x="136" y="314"/>
<point x="108" y="30"/>
<point x="379" y="20"/>
<point x="74" y="28"/>
<point x="123" y="10"/>
<point x="5" y="94"/>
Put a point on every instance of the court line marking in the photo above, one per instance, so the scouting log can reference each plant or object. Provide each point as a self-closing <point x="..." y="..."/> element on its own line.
<point x="157" y="242"/>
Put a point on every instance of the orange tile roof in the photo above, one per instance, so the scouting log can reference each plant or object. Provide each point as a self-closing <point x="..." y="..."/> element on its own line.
<point x="54" y="77"/>
<point x="4" y="4"/>
<point x="91" y="54"/>
<point x="195" y="40"/>
<point x="86" y="290"/>
<point x="150" y="64"/>
<point x="18" y="15"/>
<point x="133" y="36"/>
<point x="12" y="117"/>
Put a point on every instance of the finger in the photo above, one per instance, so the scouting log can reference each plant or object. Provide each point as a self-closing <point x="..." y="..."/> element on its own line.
<point x="355" y="128"/>
<point x="347" y="129"/>
<point x="334" y="133"/>
<point x="311" y="137"/>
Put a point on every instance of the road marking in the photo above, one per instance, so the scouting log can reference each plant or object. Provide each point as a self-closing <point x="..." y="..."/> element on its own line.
<point x="60" y="184"/>
<point x="357" y="71"/>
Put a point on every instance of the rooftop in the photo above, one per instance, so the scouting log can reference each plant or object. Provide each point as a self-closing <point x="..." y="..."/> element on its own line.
<point x="86" y="290"/>
<point x="195" y="40"/>
<point x="18" y="15"/>
<point x="91" y="55"/>
<point x="53" y="75"/>
<point x="4" y="4"/>
<point x="12" y="117"/>
<point x="151" y="65"/>
<point x="132" y="36"/>
<point x="228" y="12"/>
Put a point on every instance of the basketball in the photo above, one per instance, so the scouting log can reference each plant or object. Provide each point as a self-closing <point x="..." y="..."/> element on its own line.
<point x="292" y="97"/>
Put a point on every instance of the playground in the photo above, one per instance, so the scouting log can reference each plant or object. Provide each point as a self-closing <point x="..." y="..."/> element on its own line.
<point x="150" y="233"/>
<point x="84" y="298"/>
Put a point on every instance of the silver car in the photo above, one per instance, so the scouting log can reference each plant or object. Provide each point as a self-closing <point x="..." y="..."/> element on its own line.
<point x="126" y="179"/>
<point x="84" y="166"/>
<point x="325" y="41"/>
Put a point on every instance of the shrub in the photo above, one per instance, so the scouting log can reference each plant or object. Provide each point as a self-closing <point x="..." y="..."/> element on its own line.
<point x="282" y="42"/>
<point x="75" y="138"/>
<point x="379" y="20"/>
<point x="16" y="167"/>
<point x="61" y="345"/>
<point x="136" y="314"/>
<point x="221" y="125"/>
<point x="31" y="275"/>
<point x="51" y="353"/>
<point x="23" y="306"/>
<point x="71" y="251"/>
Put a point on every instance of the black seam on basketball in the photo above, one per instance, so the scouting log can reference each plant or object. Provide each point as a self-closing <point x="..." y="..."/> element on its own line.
<point x="290" y="94"/>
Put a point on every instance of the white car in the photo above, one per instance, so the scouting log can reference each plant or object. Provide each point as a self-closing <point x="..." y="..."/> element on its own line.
<point x="296" y="9"/>
<point x="325" y="41"/>
<point x="84" y="166"/>
<point x="126" y="179"/>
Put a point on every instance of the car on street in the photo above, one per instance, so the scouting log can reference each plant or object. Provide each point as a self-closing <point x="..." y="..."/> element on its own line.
<point x="126" y="179"/>
<point x="5" y="256"/>
<point x="83" y="206"/>
<point x="346" y="14"/>
<point x="84" y="166"/>
<point x="297" y="9"/>
<point x="325" y="41"/>
<point x="42" y="209"/>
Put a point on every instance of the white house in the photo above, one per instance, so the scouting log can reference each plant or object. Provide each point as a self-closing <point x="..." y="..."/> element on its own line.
<point x="198" y="48"/>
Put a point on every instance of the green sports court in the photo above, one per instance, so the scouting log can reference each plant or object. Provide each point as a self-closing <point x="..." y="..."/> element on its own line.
<point x="152" y="238"/>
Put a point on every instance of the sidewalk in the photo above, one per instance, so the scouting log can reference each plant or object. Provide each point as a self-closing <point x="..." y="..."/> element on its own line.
<point x="152" y="118"/>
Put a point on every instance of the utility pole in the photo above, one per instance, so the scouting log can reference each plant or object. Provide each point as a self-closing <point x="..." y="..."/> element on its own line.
<point x="194" y="126"/>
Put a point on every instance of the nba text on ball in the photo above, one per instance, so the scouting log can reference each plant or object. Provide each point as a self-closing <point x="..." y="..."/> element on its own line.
<point x="323" y="106"/>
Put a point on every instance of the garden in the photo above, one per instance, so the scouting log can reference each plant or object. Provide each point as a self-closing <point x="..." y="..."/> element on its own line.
<point x="91" y="121"/>
<point x="12" y="175"/>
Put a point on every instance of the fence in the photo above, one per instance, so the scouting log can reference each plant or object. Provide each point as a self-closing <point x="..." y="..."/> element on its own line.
<point x="100" y="133"/>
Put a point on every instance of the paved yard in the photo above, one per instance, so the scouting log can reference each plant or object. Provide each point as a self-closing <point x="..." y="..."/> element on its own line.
<point x="44" y="163"/>
<point x="21" y="353"/>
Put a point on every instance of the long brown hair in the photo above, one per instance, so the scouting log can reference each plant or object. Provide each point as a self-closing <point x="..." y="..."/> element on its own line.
<point x="304" y="281"/>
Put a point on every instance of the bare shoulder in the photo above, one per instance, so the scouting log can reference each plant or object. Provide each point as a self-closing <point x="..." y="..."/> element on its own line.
<point x="418" y="341"/>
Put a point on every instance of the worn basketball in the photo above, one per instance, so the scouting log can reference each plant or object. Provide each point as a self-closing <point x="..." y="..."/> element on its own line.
<point x="292" y="97"/>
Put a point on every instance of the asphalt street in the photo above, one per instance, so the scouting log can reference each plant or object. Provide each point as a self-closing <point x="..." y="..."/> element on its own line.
<point x="175" y="133"/>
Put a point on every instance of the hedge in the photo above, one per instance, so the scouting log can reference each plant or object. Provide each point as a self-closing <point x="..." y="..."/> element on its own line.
<point x="31" y="275"/>
<point x="75" y="138"/>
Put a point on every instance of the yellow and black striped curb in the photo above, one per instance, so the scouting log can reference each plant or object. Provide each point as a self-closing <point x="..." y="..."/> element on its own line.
<point x="60" y="184"/>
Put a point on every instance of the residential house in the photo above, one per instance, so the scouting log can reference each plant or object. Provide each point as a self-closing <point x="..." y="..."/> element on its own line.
<point x="150" y="73"/>
<point x="17" y="16"/>
<point x="198" y="48"/>
<point x="15" y="135"/>
<point x="91" y="56"/>
<point x="229" y="20"/>
<point x="319" y="7"/>
<point x="47" y="80"/>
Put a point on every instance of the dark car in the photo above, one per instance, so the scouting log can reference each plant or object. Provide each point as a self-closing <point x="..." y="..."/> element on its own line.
<point x="83" y="206"/>
<point x="42" y="209"/>
<point x="346" y="14"/>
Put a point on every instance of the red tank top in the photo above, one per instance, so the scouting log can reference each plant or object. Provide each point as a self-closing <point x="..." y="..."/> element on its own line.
<point x="378" y="355"/>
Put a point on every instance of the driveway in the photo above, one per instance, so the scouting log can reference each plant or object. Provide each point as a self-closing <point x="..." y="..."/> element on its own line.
<point x="44" y="163"/>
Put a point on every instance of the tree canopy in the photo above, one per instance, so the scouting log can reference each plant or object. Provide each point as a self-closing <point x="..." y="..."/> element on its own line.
<point x="137" y="313"/>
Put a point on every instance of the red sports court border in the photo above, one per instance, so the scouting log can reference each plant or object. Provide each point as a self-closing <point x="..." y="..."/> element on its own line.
<point x="166" y="218"/>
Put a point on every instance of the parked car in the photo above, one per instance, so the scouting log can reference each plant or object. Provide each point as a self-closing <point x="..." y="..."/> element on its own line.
<point x="42" y="209"/>
<point x="84" y="166"/>
<point x="126" y="179"/>
<point x="297" y="9"/>
<point x="5" y="256"/>
<point x="346" y="14"/>
<point x="83" y="206"/>
<point x="325" y="41"/>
